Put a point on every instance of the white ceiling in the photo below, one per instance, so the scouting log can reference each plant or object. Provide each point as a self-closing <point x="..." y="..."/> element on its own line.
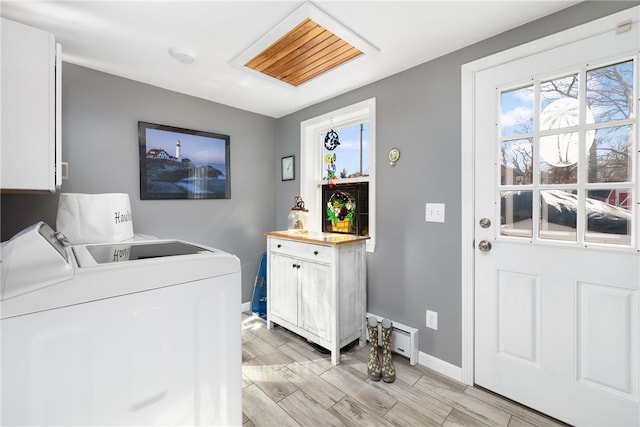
<point x="132" y="38"/>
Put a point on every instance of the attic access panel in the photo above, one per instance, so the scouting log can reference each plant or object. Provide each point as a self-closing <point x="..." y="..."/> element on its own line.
<point x="303" y="53"/>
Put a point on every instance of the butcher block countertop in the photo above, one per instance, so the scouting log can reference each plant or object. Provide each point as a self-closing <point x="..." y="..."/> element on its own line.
<point x="317" y="237"/>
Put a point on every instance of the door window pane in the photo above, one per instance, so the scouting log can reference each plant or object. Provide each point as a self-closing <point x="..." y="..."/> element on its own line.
<point x="559" y="158"/>
<point x="517" y="162"/>
<point x="610" y="91"/>
<point x="516" y="116"/>
<point x="559" y="109"/>
<point x="555" y="97"/>
<point x="558" y="215"/>
<point x="516" y="213"/>
<point x="608" y="159"/>
<point x="609" y="216"/>
<point x="348" y="155"/>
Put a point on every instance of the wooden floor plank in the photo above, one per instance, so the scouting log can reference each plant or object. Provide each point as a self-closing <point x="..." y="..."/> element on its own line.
<point x="374" y="399"/>
<point x="258" y="347"/>
<point x="403" y="416"/>
<point x="517" y="422"/>
<point x="298" y="356"/>
<point x="461" y="419"/>
<point x="323" y="392"/>
<point x="470" y="405"/>
<point x="424" y="404"/>
<point x="352" y="413"/>
<point x="269" y="380"/>
<point x="276" y="359"/>
<point x="307" y="411"/>
<point x="263" y="411"/>
<point x="245" y="381"/>
<point x="301" y="346"/>
<point x="519" y="411"/>
<point x="274" y="338"/>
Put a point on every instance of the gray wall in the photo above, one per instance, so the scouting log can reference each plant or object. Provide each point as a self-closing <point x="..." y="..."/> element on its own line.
<point x="417" y="265"/>
<point x="100" y="142"/>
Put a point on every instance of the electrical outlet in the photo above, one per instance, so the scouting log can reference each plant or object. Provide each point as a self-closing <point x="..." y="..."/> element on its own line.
<point x="432" y="319"/>
<point x="434" y="212"/>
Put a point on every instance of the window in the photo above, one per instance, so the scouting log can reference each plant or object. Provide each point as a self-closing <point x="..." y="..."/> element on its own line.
<point x="337" y="153"/>
<point x="566" y="156"/>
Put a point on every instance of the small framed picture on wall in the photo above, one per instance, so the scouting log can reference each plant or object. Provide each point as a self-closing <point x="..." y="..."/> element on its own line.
<point x="288" y="168"/>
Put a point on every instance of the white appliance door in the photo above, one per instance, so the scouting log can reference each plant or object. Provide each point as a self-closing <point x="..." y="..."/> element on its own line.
<point x="171" y="356"/>
<point x="556" y="237"/>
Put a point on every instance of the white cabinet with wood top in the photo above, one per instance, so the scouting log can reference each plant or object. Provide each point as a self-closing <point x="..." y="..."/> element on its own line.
<point x="31" y="145"/>
<point x="316" y="287"/>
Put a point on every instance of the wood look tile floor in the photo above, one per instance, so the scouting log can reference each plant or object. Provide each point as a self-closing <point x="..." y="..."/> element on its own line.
<point x="286" y="382"/>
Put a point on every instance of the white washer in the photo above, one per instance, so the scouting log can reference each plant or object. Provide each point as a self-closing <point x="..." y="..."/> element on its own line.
<point x="137" y="333"/>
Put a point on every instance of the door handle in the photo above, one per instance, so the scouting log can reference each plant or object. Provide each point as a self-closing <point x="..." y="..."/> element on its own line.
<point x="484" y="245"/>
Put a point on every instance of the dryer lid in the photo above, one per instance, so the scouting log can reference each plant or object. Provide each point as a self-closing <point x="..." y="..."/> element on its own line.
<point x="92" y="255"/>
<point x="33" y="259"/>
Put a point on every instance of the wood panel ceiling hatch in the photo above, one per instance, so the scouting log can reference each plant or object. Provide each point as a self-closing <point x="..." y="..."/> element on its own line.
<point x="306" y="44"/>
<point x="303" y="53"/>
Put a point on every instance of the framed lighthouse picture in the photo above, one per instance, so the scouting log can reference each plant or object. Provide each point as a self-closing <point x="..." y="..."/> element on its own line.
<point x="177" y="163"/>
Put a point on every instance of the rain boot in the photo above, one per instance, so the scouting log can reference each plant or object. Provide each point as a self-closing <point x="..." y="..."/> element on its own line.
<point x="373" y="367"/>
<point x="388" y="371"/>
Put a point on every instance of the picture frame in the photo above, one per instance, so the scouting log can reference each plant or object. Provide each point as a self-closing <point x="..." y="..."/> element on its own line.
<point x="288" y="168"/>
<point x="179" y="163"/>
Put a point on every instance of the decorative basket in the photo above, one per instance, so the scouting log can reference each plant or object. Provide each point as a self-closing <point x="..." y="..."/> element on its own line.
<point x="342" y="226"/>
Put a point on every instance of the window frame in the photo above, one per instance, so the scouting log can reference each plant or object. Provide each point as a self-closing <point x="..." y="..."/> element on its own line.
<point x="311" y="161"/>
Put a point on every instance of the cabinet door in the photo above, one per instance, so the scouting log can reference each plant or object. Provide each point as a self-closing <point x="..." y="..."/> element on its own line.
<point x="28" y="108"/>
<point x="283" y="287"/>
<point x="315" y="299"/>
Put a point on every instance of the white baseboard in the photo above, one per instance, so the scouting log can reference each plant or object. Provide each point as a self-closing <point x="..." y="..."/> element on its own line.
<point x="245" y="306"/>
<point x="440" y="366"/>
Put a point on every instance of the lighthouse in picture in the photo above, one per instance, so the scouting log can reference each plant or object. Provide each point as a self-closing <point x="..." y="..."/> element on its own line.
<point x="178" y="150"/>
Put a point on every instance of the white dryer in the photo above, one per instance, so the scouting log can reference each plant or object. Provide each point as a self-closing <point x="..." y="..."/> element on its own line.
<point x="136" y="333"/>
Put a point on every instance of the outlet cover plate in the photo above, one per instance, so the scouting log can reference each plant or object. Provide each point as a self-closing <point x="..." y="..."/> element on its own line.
<point x="432" y="319"/>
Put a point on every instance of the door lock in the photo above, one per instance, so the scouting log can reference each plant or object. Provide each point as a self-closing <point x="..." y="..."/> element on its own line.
<point x="484" y="245"/>
<point x="485" y="223"/>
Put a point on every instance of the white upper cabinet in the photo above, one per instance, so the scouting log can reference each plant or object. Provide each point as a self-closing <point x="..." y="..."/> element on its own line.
<point x="30" y="149"/>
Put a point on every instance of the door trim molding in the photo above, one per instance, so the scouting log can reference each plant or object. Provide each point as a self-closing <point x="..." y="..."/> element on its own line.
<point x="469" y="71"/>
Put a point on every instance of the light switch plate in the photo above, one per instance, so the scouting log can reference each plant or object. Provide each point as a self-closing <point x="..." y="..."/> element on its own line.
<point x="434" y="212"/>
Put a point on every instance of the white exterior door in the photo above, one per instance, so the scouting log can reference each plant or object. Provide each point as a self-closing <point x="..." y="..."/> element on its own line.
<point x="557" y="264"/>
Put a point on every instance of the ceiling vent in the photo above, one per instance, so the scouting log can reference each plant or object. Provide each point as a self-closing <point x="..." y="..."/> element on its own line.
<point x="303" y="53"/>
<point x="304" y="45"/>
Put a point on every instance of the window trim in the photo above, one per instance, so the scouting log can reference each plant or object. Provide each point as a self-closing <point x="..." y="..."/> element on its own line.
<point x="311" y="160"/>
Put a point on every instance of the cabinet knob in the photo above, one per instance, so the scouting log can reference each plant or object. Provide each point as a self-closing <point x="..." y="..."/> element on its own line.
<point x="315" y="252"/>
<point x="279" y="245"/>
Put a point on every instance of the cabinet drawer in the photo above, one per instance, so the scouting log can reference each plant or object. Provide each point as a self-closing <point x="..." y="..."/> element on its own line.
<point x="307" y="251"/>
